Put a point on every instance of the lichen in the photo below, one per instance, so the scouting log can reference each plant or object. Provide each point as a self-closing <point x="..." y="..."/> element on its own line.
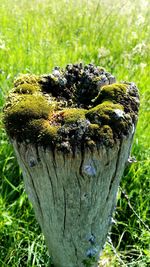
<point x="75" y="107"/>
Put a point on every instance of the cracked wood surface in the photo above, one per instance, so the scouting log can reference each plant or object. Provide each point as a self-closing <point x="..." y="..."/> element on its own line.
<point x="73" y="197"/>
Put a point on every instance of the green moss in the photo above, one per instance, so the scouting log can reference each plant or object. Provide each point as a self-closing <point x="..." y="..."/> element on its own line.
<point x="100" y="134"/>
<point x="72" y="115"/>
<point x="97" y="79"/>
<point x="26" y="78"/>
<point x="23" y="110"/>
<point x="93" y="127"/>
<point x="93" y="130"/>
<point x="27" y="88"/>
<point x="114" y="92"/>
<point x="113" y="122"/>
<point x="102" y="113"/>
<point x="29" y="107"/>
<point x="91" y="144"/>
<point x="107" y="105"/>
<point x="40" y="130"/>
<point x="60" y="110"/>
<point x="106" y="135"/>
<point x="49" y="131"/>
<point x="115" y="88"/>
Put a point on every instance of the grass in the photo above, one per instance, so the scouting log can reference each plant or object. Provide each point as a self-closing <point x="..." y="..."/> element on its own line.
<point x="34" y="37"/>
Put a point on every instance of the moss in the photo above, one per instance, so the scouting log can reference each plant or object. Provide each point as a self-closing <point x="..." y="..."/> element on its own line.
<point x="102" y="113"/>
<point x="115" y="88"/>
<point x="24" y="109"/>
<point x="26" y="78"/>
<point x="72" y="115"/>
<point x="29" y="107"/>
<point x="100" y="134"/>
<point x="106" y="135"/>
<point x="91" y="144"/>
<point x="93" y="130"/>
<point x="93" y="127"/>
<point x="111" y="92"/>
<point x="111" y="115"/>
<point x="27" y="88"/>
<point x="70" y="108"/>
<point x="41" y="131"/>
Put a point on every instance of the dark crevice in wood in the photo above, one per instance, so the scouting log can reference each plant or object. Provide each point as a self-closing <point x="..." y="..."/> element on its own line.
<point x="37" y="153"/>
<point x="50" y="179"/>
<point x="65" y="211"/>
<point x="82" y="160"/>
<point x="78" y="180"/>
<point x="79" y="186"/>
<point x="75" y="250"/>
<point x="55" y="170"/>
<point x="54" y="158"/>
<point x="64" y="159"/>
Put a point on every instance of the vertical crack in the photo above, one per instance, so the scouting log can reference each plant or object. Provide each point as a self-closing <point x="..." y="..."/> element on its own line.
<point x="80" y="204"/>
<point x="65" y="211"/>
<point x="75" y="250"/>
<point x="55" y="167"/>
<point x="82" y="160"/>
<point x="50" y="179"/>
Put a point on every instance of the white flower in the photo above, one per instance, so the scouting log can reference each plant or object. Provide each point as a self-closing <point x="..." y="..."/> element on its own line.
<point x="142" y="65"/>
<point x="144" y="4"/>
<point x="139" y="48"/>
<point x="134" y="35"/>
<point x="140" y="20"/>
<point x="103" y="52"/>
<point x="2" y="44"/>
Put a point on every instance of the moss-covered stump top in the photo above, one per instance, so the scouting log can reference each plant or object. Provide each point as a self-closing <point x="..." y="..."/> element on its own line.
<point x="71" y="108"/>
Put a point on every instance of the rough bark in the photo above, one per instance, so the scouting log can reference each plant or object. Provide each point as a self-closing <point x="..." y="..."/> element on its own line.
<point x="73" y="197"/>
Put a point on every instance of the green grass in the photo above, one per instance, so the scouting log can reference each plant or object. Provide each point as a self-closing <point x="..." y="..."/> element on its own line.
<point x="34" y="37"/>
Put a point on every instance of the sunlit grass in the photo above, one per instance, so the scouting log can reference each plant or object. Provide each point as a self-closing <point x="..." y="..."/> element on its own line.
<point x="34" y="37"/>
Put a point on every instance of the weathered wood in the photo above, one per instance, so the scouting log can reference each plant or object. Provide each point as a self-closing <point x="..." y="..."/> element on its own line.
<point x="74" y="198"/>
<point x="72" y="132"/>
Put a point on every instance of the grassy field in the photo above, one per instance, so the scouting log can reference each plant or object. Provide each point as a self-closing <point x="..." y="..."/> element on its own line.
<point x="37" y="35"/>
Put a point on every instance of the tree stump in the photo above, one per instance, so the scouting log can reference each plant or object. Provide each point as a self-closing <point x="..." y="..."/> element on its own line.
<point x="72" y="132"/>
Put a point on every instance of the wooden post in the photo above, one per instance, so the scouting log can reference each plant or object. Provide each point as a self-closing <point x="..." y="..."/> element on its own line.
<point x="73" y="187"/>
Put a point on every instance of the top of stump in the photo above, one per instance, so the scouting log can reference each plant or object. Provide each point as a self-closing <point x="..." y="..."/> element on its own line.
<point x="73" y="107"/>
